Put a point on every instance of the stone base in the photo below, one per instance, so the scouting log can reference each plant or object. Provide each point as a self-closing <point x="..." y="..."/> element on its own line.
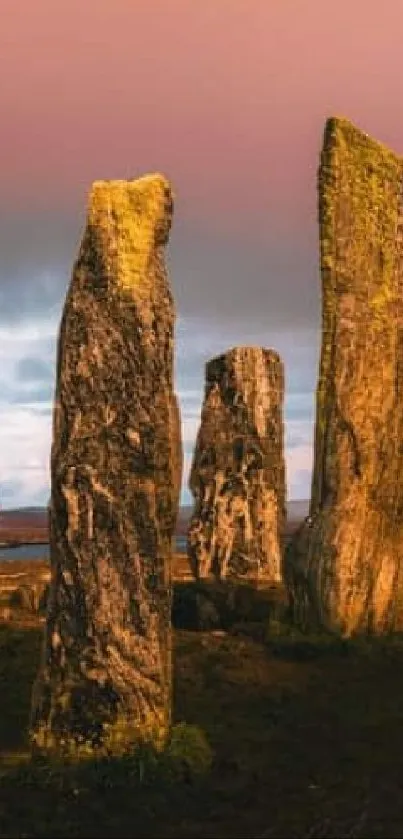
<point x="211" y="605"/>
<point x="197" y="605"/>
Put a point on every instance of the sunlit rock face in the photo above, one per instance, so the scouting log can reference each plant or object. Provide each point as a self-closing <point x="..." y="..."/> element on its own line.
<point x="344" y="567"/>
<point x="238" y="472"/>
<point x="105" y="677"/>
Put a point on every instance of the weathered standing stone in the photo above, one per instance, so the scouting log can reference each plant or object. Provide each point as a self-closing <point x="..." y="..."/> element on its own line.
<point x="238" y="471"/>
<point x="105" y="677"/>
<point x="344" y="566"/>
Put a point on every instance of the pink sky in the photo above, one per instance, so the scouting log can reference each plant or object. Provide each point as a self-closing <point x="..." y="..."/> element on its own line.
<point x="228" y="97"/>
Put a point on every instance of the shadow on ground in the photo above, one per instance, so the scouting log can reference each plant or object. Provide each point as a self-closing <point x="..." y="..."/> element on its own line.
<point x="307" y="736"/>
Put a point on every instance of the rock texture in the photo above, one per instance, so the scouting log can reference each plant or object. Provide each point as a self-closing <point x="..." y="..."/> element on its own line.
<point x="238" y="472"/>
<point x="105" y="678"/>
<point x="344" y="567"/>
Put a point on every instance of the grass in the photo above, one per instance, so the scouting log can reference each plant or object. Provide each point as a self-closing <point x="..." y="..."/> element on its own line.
<point x="306" y="732"/>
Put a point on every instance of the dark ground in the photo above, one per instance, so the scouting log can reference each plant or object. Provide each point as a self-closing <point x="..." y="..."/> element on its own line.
<point x="307" y="735"/>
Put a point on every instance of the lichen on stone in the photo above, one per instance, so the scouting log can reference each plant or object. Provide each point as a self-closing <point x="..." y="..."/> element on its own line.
<point x="238" y="472"/>
<point x="129" y="219"/>
<point x="341" y="568"/>
<point x="106" y="674"/>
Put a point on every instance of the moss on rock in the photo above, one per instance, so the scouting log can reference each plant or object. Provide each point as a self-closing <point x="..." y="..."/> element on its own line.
<point x="343" y="567"/>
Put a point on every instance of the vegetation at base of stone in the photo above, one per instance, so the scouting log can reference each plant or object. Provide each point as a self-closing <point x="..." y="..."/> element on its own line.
<point x="305" y="732"/>
<point x="186" y="756"/>
<point x="187" y="753"/>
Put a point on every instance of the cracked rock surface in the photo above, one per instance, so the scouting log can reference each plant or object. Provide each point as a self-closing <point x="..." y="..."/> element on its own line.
<point x="238" y="472"/>
<point x="105" y="676"/>
<point x="344" y="566"/>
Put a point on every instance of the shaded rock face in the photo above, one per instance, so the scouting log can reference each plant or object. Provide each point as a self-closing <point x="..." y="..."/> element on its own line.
<point x="105" y="677"/>
<point x="344" y="567"/>
<point x="208" y="605"/>
<point x="238" y="471"/>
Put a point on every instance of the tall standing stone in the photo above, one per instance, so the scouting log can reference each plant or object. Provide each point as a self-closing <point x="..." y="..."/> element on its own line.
<point x="238" y="471"/>
<point x="344" y="567"/>
<point x="105" y="677"/>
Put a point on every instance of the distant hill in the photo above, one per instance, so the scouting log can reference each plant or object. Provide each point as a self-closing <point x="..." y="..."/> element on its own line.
<point x="24" y="511"/>
<point x="36" y="518"/>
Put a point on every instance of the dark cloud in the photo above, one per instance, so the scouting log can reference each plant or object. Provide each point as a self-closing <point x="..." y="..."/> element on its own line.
<point x="270" y="284"/>
<point x="34" y="369"/>
<point x="218" y="279"/>
<point x="37" y="255"/>
<point x="203" y="331"/>
<point x="33" y="381"/>
<point x="198" y="340"/>
<point x="31" y="395"/>
<point x="14" y="394"/>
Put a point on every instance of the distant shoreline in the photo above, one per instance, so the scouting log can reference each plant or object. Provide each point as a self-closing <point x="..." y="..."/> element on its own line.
<point x="14" y="543"/>
<point x="25" y="528"/>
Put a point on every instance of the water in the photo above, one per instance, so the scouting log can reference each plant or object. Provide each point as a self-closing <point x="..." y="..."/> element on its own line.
<point x="25" y="552"/>
<point x="42" y="551"/>
<point x="181" y="544"/>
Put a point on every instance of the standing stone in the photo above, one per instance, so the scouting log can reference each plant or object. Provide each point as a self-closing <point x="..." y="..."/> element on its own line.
<point x="344" y="567"/>
<point x="105" y="677"/>
<point x="238" y="471"/>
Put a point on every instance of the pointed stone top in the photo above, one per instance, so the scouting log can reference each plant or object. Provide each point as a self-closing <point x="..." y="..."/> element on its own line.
<point x="129" y="219"/>
<point x="144" y="203"/>
<point x="154" y="182"/>
<point x="339" y="130"/>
